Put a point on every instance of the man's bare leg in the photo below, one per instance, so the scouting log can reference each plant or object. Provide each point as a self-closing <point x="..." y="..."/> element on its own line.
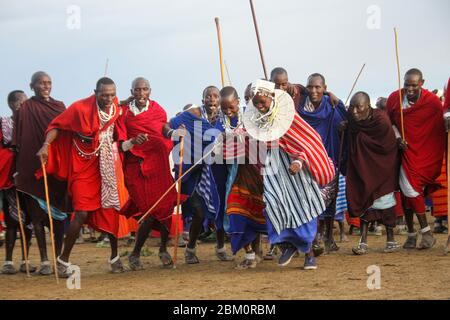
<point x="142" y="235"/>
<point x="411" y="241"/>
<point x="72" y="234"/>
<point x="427" y="240"/>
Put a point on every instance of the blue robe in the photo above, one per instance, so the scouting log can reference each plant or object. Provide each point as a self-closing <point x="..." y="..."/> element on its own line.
<point x="201" y="178"/>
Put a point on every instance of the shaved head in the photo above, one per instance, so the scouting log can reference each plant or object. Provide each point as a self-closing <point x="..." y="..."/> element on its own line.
<point x="229" y="92"/>
<point x="360" y="97"/>
<point x="37" y="76"/>
<point x="278" y="72"/>
<point x="316" y="75"/>
<point x="139" y="79"/>
<point x="414" y="72"/>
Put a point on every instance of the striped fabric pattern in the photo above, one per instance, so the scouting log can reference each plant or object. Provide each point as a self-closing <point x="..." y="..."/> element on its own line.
<point x="341" y="200"/>
<point x="204" y="189"/>
<point x="291" y="200"/>
<point x="302" y="142"/>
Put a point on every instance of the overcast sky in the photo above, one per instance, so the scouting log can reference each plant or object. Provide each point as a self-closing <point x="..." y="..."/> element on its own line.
<point x="174" y="44"/>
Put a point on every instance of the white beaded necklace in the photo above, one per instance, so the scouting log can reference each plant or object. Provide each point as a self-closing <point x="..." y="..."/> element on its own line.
<point x="104" y="119"/>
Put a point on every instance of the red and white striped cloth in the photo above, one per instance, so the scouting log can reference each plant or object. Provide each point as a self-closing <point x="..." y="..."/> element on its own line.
<point x="302" y="142"/>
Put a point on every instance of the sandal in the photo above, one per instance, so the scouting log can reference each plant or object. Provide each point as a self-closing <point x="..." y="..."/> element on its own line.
<point x="134" y="262"/>
<point x="166" y="259"/>
<point x="190" y="256"/>
<point x="391" y="246"/>
<point x="361" y="249"/>
<point x="116" y="265"/>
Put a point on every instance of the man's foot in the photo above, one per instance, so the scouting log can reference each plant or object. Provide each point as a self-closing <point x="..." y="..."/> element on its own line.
<point x="410" y="242"/>
<point x="440" y="229"/>
<point x="181" y="242"/>
<point x="331" y="246"/>
<point x="116" y="265"/>
<point x="222" y="255"/>
<point x="401" y="229"/>
<point x="361" y="249"/>
<point x="80" y="239"/>
<point x="23" y="267"/>
<point x="427" y="241"/>
<point x="271" y="254"/>
<point x="166" y="259"/>
<point x="287" y="254"/>
<point x="246" y="264"/>
<point x="8" y="268"/>
<point x="391" y="246"/>
<point x="190" y="256"/>
<point x="134" y="262"/>
<point x="377" y="231"/>
<point x="45" y="269"/>
<point x="310" y="263"/>
<point x="317" y="250"/>
<point x="343" y="238"/>
<point x="63" y="268"/>
<point x="104" y="243"/>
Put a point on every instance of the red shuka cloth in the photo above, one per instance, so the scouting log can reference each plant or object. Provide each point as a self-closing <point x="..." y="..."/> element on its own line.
<point x="6" y="165"/>
<point x="82" y="173"/>
<point x="425" y="135"/>
<point x="146" y="166"/>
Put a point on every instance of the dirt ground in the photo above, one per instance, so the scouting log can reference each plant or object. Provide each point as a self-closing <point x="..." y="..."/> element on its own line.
<point x="341" y="275"/>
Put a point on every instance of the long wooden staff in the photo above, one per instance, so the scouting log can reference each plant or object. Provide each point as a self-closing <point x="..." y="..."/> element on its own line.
<point x="400" y="92"/>
<point x="50" y="219"/>
<point x="174" y="184"/>
<point x="447" y="249"/>
<point x="180" y="173"/>
<point x="354" y="84"/>
<point x="22" y="234"/>
<point x="106" y="67"/>
<point x="228" y="73"/>
<point x="259" y="40"/>
<point x="219" y="39"/>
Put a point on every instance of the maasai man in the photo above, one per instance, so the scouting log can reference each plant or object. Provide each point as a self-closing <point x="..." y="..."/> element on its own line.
<point x="244" y="187"/>
<point x="372" y="173"/>
<point x="210" y="101"/>
<point x="146" y="168"/>
<point x="279" y="76"/>
<point x="297" y="92"/>
<point x="317" y="110"/>
<point x="199" y="185"/>
<point x="423" y="149"/>
<point x="293" y="172"/>
<point x="30" y="124"/>
<point x="79" y="149"/>
<point x="8" y="196"/>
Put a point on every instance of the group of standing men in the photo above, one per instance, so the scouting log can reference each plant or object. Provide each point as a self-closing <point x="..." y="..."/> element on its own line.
<point x="319" y="155"/>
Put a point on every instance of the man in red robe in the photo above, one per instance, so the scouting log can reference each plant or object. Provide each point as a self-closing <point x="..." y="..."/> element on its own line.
<point x="78" y="148"/>
<point x="146" y="168"/>
<point x="30" y="124"/>
<point x="423" y="146"/>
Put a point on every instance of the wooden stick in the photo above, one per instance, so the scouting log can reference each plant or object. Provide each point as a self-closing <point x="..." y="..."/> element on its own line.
<point x="22" y="234"/>
<point x="259" y="40"/>
<point x="228" y="73"/>
<point x="400" y="92"/>
<point x="47" y="197"/>
<point x="180" y="173"/>
<point x="447" y="249"/>
<point x="174" y="184"/>
<point x="219" y="39"/>
<point x="354" y="84"/>
<point x="106" y="67"/>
